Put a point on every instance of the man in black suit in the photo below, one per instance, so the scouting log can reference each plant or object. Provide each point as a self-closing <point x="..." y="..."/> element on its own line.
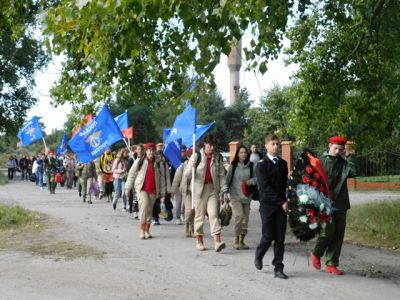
<point x="272" y="173"/>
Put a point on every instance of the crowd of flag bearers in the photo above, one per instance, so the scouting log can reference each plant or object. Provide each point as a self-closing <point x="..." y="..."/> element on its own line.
<point x="147" y="177"/>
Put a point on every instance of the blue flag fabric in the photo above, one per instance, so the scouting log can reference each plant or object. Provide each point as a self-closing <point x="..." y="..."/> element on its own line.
<point x="122" y="121"/>
<point x="30" y="132"/>
<point x="62" y="147"/>
<point x="187" y="141"/>
<point x="166" y="133"/>
<point x="172" y="151"/>
<point x="200" y="131"/>
<point x="93" y="139"/>
<point x="184" y="125"/>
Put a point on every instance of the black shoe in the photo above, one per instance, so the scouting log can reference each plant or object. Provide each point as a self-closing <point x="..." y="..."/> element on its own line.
<point x="80" y="194"/>
<point x="258" y="264"/>
<point x="90" y="202"/>
<point x="280" y="274"/>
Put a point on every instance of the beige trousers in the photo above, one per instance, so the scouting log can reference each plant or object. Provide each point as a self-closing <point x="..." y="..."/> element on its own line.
<point x="146" y="203"/>
<point x="208" y="203"/>
<point x="87" y="188"/>
<point x="241" y="214"/>
<point x="189" y="212"/>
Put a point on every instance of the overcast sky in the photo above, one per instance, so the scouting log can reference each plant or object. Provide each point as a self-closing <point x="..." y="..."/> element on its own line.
<point x="54" y="118"/>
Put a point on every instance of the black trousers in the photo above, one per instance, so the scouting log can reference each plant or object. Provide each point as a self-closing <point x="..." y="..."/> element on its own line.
<point x="274" y="222"/>
<point x="10" y="173"/>
<point x="157" y="207"/>
<point x="133" y="202"/>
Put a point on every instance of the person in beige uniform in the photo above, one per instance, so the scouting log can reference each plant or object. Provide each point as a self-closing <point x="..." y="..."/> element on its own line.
<point x="88" y="174"/>
<point x="239" y="174"/>
<point x="149" y="183"/>
<point x="181" y="184"/>
<point x="209" y="182"/>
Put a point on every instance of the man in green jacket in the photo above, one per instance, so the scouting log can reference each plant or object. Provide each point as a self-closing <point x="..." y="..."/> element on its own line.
<point x="51" y="170"/>
<point x="339" y="166"/>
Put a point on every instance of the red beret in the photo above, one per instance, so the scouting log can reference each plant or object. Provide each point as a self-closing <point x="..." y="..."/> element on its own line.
<point x="149" y="145"/>
<point x="338" y="140"/>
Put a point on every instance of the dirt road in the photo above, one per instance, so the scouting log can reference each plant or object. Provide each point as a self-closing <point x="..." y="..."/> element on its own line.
<point x="168" y="266"/>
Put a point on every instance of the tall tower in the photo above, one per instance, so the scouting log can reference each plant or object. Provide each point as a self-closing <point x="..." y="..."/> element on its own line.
<point x="234" y="65"/>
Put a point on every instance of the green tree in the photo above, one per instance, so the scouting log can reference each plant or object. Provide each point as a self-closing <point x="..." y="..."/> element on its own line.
<point x="348" y="54"/>
<point x="271" y="116"/>
<point x="138" y="48"/>
<point x="21" y="54"/>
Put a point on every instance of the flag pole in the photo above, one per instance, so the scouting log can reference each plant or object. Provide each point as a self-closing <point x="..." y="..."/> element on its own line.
<point x="129" y="149"/>
<point x="193" y="169"/>
<point x="44" y="142"/>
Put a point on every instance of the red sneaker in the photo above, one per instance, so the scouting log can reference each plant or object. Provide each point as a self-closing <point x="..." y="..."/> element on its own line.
<point x="315" y="261"/>
<point x="333" y="270"/>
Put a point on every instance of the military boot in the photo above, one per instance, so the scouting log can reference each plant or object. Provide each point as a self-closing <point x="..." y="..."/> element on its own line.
<point x="142" y="231"/>
<point x="200" y="243"/>
<point x="236" y="243"/>
<point x="241" y="242"/>
<point x="218" y="243"/>
<point x="147" y="234"/>
<point x="187" y="229"/>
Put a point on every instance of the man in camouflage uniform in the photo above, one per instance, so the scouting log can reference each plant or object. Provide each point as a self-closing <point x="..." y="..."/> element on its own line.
<point x="339" y="165"/>
<point x="51" y="165"/>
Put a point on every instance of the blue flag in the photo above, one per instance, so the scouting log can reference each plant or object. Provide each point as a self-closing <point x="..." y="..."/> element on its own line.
<point x="30" y="132"/>
<point x="93" y="139"/>
<point x="184" y="125"/>
<point x="122" y="120"/>
<point x="172" y="151"/>
<point x="187" y="141"/>
<point x="62" y="147"/>
<point x="166" y="133"/>
<point x="200" y="131"/>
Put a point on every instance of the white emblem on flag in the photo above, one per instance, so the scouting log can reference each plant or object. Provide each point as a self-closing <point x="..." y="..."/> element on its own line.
<point x="31" y="131"/>
<point x="94" y="139"/>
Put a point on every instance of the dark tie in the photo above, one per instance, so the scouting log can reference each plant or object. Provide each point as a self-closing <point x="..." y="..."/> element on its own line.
<point x="275" y="160"/>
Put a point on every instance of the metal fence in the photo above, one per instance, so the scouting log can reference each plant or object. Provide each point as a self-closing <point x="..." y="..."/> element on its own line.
<point x="378" y="163"/>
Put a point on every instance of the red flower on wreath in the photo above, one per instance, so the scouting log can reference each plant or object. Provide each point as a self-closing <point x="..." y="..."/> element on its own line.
<point x="309" y="170"/>
<point x="322" y="217"/>
<point x="322" y="189"/>
<point x="317" y="176"/>
<point x="306" y="179"/>
<point x="315" y="184"/>
<point x="311" y="216"/>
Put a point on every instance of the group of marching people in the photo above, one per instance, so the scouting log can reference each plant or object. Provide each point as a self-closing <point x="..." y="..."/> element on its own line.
<point x="146" y="182"/>
<point x="149" y="180"/>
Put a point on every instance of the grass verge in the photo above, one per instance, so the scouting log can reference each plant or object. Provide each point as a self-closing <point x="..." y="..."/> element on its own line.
<point x="3" y="179"/>
<point x="25" y="230"/>
<point x="16" y="217"/>
<point x="375" y="224"/>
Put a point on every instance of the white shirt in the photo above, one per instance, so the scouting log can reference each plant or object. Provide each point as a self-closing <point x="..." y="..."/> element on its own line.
<point x="272" y="158"/>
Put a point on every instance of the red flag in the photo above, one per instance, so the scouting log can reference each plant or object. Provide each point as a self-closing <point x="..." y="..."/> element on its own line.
<point x="86" y="119"/>
<point x="128" y="133"/>
<point x="316" y="163"/>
